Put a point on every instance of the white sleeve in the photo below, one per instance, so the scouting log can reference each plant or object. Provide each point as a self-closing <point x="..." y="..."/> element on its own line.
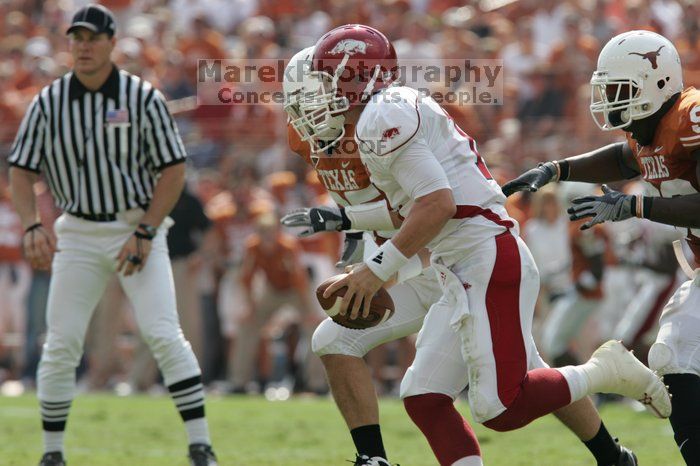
<point x="387" y="126"/>
<point x="417" y="170"/>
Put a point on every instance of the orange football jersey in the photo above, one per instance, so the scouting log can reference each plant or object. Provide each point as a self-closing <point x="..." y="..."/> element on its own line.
<point x="341" y="171"/>
<point x="668" y="164"/>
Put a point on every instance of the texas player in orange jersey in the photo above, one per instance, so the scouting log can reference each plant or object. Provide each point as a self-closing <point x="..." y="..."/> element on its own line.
<point x="638" y="87"/>
<point x="364" y="208"/>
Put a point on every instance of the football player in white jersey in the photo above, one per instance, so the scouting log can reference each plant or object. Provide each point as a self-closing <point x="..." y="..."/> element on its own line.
<point x="638" y="88"/>
<point x="341" y="349"/>
<point x="502" y="393"/>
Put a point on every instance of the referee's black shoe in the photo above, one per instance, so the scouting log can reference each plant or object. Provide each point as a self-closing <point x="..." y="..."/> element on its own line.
<point x="54" y="458"/>
<point x="202" y="455"/>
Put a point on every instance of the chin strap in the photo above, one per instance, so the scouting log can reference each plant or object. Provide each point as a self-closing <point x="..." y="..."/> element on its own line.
<point x="682" y="260"/>
<point x="643" y="130"/>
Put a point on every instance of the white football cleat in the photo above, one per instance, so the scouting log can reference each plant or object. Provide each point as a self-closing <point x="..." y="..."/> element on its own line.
<point x="614" y="369"/>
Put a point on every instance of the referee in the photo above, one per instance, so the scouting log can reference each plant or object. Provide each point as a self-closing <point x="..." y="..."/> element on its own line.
<point x="113" y="158"/>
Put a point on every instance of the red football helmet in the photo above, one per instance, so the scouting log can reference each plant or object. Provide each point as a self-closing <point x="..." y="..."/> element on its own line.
<point x="358" y="59"/>
<point x="349" y="64"/>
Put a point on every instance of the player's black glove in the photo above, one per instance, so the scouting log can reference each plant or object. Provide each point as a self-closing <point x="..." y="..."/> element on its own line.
<point x="612" y="205"/>
<point x="353" y="250"/>
<point x="532" y="180"/>
<point x="317" y="219"/>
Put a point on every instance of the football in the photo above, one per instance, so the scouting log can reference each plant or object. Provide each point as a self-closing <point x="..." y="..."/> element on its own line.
<point x="381" y="307"/>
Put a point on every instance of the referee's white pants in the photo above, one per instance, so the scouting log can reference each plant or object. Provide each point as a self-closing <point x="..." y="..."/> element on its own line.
<point x="81" y="268"/>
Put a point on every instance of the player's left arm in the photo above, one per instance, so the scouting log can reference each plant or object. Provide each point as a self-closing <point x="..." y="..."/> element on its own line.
<point x="679" y="211"/>
<point x="370" y="216"/>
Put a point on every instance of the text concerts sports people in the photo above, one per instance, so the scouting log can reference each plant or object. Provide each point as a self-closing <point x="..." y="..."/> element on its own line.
<point x="431" y="385"/>
<point x="638" y="87"/>
<point x="113" y="157"/>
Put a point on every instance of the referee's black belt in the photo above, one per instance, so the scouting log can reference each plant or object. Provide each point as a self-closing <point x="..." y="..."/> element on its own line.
<point x="96" y="217"/>
<point x="101" y="217"/>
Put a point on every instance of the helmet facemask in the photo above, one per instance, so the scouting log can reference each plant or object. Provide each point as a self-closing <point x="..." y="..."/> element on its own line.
<point x="320" y="118"/>
<point x="616" y="102"/>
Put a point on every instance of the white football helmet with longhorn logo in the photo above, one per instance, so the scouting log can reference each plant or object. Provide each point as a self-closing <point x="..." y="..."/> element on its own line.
<point x="637" y="72"/>
<point x="300" y="85"/>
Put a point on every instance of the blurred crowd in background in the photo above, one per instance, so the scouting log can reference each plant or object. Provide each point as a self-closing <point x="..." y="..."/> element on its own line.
<point x="244" y="286"/>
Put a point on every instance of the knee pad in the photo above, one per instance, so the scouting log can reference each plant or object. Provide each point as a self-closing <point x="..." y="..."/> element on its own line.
<point x="662" y="359"/>
<point x="328" y="338"/>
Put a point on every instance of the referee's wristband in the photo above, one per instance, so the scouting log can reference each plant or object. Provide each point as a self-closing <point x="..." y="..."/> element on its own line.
<point x="386" y="261"/>
<point x="145" y="231"/>
<point x="141" y="235"/>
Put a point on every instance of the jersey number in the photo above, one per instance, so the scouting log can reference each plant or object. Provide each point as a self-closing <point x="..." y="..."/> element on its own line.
<point x="695" y="118"/>
<point x="480" y="164"/>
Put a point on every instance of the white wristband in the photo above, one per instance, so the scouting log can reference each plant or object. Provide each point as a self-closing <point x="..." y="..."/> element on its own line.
<point x="412" y="269"/>
<point x="370" y="216"/>
<point x="386" y="261"/>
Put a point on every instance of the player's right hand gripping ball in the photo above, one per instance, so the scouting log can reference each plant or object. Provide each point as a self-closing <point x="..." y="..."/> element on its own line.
<point x="381" y="307"/>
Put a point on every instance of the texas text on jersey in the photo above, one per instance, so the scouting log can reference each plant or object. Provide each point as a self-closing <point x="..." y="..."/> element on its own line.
<point x="667" y="164"/>
<point x="342" y="173"/>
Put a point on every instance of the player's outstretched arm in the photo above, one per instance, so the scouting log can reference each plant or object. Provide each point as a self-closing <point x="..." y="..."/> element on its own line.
<point x="610" y="163"/>
<point x="372" y="216"/>
<point x="680" y="211"/>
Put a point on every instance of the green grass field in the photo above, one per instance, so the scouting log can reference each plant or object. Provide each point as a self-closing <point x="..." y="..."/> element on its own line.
<point x="105" y="430"/>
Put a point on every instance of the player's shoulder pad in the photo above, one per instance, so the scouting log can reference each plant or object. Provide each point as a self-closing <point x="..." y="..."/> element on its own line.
<point x="689" y="119"/>
<point x="389" y="121"/>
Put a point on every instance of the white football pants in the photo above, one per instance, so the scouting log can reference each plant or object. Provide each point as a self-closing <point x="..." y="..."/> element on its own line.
<point x="84" y="262"/>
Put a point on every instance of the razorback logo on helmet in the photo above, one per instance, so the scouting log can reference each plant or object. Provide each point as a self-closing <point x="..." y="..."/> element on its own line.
<point x="390" y="133"/>
<point x="651" y="56"/>
<point x="349" y="46"/>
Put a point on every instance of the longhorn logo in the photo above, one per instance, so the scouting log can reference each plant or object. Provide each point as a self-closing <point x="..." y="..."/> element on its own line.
<point x="349" y="46"/>
<point x="651" y="56"/>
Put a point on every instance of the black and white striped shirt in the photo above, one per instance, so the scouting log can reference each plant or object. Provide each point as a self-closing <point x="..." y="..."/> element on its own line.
<point x="100" y="151"/>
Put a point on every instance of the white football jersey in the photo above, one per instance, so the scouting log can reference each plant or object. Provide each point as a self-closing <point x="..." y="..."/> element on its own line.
<point x="400" y="122"/>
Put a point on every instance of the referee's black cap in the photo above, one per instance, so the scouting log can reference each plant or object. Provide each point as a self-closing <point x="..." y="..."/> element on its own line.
<point x="96" y="18"/>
